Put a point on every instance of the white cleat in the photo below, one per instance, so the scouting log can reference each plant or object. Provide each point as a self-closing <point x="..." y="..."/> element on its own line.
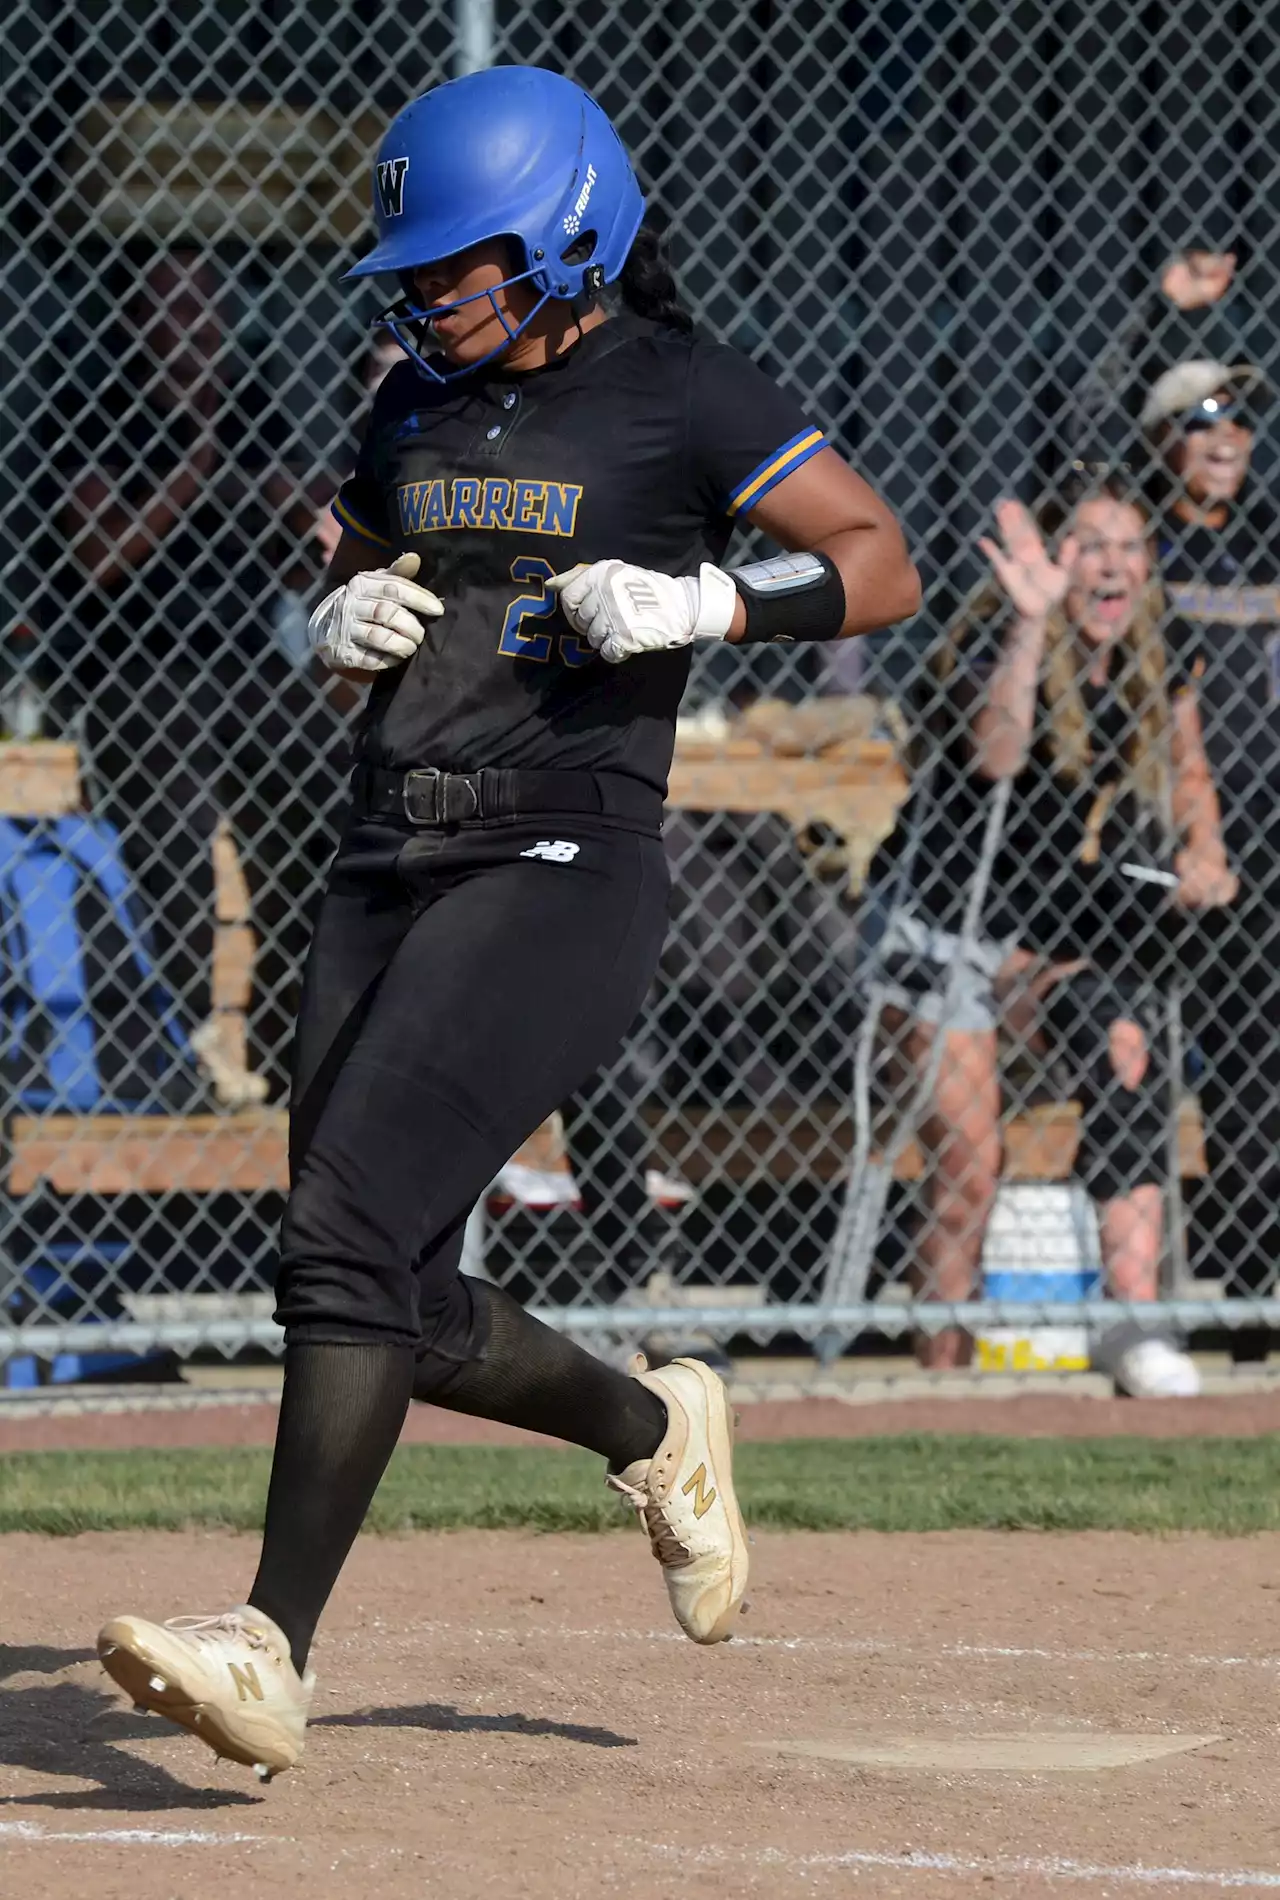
<point x="685" y="1497"/>
<point x="668" y="1190"/>
<point x="1153" y="1369"/>
<point x="227" y="1679"/>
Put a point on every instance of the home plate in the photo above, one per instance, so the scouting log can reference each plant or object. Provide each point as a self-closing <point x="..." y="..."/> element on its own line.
<point x="994" y="1754"/>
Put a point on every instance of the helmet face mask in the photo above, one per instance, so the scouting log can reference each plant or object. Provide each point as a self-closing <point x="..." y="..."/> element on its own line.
<point x="514" y="153"/>
<point x="411" y="324"/>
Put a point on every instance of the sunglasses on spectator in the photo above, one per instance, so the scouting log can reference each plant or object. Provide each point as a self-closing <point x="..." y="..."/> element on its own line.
<point x="1213" y="410"/>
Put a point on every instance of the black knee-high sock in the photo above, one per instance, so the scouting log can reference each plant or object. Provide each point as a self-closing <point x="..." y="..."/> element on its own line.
<point x="340" y="1416"/>
<point x="522" y="1373"/>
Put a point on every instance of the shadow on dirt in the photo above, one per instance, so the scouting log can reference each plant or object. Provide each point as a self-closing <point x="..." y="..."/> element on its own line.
<point x="69" y="1725"/>
<point x="446" y="1720"/>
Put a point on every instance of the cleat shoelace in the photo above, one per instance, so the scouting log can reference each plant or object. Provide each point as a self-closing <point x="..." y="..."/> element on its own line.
<point x="666" y="1546"/>
<point x="218" y="1629"/>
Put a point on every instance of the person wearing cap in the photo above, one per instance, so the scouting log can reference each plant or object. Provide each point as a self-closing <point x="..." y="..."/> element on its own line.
<point x="1219" y="550"/>
<point x="1194" y="309"/>
<point x="1199" y="418"/>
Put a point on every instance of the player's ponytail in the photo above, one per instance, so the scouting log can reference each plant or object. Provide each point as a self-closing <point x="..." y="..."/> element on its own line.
<point x="648" y="285"/>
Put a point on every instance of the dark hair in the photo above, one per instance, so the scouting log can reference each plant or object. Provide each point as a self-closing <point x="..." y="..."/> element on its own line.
<point x="648" y="285"/>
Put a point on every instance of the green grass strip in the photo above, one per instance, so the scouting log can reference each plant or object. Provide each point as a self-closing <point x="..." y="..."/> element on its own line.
<point x="919" y="1483"/>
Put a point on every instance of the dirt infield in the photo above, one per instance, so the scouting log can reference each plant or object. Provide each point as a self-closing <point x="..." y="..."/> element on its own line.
<point x="1045" y="1415"/>
<point x="501" y="1714"/>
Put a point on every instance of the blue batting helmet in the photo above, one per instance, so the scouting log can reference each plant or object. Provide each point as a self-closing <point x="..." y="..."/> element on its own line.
<point x="512" y="152"/>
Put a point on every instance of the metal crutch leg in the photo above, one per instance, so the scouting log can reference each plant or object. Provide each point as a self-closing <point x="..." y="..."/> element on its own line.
<point x="867" y="1191"/>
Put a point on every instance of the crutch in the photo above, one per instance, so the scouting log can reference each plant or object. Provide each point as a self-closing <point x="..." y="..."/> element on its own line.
<point x="1176" y="1249"/>
<point x="867" y="1190"/>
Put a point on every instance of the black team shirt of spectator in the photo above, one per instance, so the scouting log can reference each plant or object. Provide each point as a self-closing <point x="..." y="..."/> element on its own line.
<point x="207" y="589"/>
<point x="640" y="444"/>
<point x="1223" y="587"/>
<point x="1056" y="886"/>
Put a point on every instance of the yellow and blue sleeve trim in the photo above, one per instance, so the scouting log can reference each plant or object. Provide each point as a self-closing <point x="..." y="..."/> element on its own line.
<point x="773" y="469"/>
<point x="346" y="518"/>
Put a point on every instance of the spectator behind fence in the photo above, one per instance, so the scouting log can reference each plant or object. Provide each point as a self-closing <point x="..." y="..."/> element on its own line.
<point x="1220" y="557"/>
<point x="1192" y="311"/>
<point x="179" y="499"/>
<point x="1057" y="679"/>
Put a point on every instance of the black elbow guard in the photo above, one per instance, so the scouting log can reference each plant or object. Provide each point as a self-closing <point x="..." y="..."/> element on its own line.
<point x="792" y="597"/>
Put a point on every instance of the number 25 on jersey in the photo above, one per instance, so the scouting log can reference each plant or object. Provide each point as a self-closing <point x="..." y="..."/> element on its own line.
<point x="516" y="643"/>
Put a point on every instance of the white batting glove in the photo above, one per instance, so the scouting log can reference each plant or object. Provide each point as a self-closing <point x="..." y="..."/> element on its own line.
<point x="375" y="621"/>
<point x="623" y="610"/>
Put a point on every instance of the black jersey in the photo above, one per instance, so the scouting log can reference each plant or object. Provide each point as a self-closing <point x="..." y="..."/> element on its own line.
<point x="1057" y="885"/>
<point x="1223" y="587"/>
<point x="640" y="444"/>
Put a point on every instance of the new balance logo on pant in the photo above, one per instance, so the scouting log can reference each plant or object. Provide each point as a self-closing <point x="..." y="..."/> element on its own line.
<point x="554" y="850"/>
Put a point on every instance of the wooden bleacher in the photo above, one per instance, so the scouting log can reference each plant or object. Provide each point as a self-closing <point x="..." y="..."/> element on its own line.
<point x="208" y="1154"/>
<point x="812" y="764"/>
<point x="817" y="764"/>
<point x="113" y="1154"/>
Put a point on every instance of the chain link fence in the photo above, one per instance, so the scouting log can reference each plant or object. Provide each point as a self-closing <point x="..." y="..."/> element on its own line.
<point x="967" y="997"/>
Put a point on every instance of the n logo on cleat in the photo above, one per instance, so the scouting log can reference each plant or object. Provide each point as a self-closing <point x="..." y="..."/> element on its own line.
<point x="696" y="1487"/>
<point x="246" y="1681"/>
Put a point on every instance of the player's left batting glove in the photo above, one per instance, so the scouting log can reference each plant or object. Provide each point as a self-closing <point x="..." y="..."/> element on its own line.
<point x="623" y="610"/>
<point x="375" y="621"/>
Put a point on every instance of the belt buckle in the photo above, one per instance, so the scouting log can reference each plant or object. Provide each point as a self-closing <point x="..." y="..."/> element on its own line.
<point x="453" y="797"/>
<point x="421" y="778"/>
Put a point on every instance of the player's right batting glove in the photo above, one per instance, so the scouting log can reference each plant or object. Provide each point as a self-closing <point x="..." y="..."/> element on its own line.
<point x="375" y="621"/>
<point x="622" y="610"/>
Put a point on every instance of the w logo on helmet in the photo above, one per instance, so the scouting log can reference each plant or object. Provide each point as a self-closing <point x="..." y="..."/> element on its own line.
<point x="391" y="173"/>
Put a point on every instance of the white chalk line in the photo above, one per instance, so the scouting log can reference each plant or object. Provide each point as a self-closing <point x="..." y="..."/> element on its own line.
<point x="846" y="1645"/>
<point x="1049" y="1866"/>
<point x="129" y="1836"/>
<point x="1052" y="1867"/>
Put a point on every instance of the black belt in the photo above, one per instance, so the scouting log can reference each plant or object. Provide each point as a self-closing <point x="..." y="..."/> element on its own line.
<point x="425" y="796"/>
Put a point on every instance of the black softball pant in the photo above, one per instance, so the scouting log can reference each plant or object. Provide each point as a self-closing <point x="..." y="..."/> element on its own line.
<point x="461" y="985"/>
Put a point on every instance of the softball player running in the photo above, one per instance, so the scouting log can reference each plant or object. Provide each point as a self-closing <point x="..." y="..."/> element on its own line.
<point x="565" y="470"/>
